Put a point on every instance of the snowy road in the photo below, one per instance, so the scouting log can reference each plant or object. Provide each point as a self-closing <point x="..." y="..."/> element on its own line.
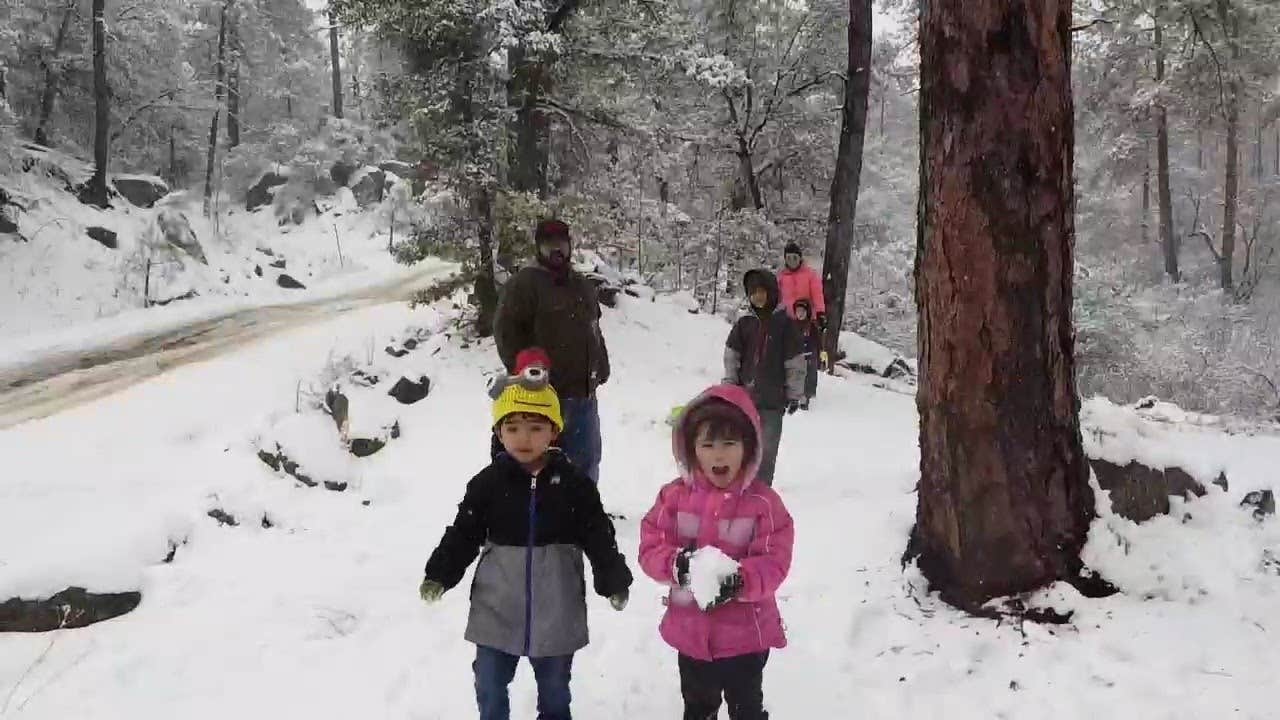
<point x="51" y="384"/>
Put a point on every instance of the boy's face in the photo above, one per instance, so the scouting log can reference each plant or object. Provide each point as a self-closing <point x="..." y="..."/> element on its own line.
<point x="792" y="260"/>
<point x="719" y="459"/>
<point x="759" y="297"/>
<point x="526" y="437"/>
<point x="802" y="313"/>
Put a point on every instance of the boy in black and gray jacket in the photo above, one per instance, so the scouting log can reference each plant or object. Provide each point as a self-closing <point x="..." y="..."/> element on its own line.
<point x="535" y="514"/>
<point x="765" y="354"/>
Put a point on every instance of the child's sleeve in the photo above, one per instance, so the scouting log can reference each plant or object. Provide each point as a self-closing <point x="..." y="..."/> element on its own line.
<point x="609" y="569"/>
<point x="462" y="540"/>
<point x="658" y="540"/>
<point x="815" y="292"/>
<point x="768" y="558"/>
<point x="733" y="356"/>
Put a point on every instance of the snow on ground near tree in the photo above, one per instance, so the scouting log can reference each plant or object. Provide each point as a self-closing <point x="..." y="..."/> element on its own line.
<point x="319" y="617"/>
<point x="61" y="279"/>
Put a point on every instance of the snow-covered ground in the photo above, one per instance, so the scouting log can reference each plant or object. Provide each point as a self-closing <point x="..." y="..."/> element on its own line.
<point x="59" y="282"/>
<point x="317" y="616"/>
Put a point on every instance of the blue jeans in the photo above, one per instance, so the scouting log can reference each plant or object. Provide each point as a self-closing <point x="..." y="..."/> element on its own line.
<point x="581" y="437"/>
<point x="494" y="670"/>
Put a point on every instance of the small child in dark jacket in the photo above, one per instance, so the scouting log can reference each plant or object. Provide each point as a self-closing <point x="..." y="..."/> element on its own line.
<point x="811" y="340"/>
<point x="764" y="354"/>
<point x="535" y="514"/>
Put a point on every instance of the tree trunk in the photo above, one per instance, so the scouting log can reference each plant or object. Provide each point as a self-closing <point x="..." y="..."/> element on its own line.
<point x="463" y="99"/>
<point x="747" y="171"/>
<point x="333" y="62"/>
<point x="1231" y="191"/>
<point x="51" y="77"/>
<point x="1146" y="192"/>
<point x="1199" y="148"/>
<point x="233" y="103"/>
<point x="528" y="155"/>
<point x="96" y="192"/>
<point x="1258" y="163"/>
<point x="1004" y="499"/>
<point x="173" y="160"/>
<point x="848" y="172"/>
<point x="1277" y="167"/>
<point x="1164" y="195"/>
<point x="220" y="79"/>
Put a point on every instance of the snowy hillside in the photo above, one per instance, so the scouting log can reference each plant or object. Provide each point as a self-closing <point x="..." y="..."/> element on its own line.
<point x="307" y="607"/>
<point x="68" y="264"/>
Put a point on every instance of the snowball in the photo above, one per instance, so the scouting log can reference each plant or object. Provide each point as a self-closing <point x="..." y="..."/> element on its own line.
<point x="708" y="567"/>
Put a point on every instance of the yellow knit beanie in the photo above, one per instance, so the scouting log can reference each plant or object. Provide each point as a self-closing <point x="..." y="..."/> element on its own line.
<point x="516" y="398"/>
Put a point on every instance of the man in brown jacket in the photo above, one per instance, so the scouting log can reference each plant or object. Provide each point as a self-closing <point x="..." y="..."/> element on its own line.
<point x="549" y="305"/>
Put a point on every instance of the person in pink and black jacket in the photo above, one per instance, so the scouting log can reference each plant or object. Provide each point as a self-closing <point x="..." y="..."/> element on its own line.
<point x="723" y="643"/>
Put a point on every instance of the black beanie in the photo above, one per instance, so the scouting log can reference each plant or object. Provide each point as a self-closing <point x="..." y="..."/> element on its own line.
<point x="792" y="248"/>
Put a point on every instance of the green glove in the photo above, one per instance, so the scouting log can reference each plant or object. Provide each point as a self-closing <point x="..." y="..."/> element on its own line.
<point x="619" y="600"/>
<point x="430" y="591"/>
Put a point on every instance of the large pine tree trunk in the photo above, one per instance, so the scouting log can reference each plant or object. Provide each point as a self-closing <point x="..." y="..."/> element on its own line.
<point x="1168" y="243"/>
<point x="51" y="77"/>
<point x="848" y="173"/>
<point x="96" y="191"/>
<point x="1004" y="500"/>
<point x="1231" y="191"/>
<point x="333" y="64"/>
<point x="219" y="81"/>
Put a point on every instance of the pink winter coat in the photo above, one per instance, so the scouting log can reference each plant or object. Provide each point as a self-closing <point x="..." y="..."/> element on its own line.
<point x="803" y="283"/>
<point x="747" y="521"/>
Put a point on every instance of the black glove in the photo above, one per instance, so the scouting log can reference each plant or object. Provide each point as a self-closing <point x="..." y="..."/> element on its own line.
<point x="822" y="321"/>
<point x="682" y="566"/>
<point x="729" y="589"/>
<point x="792" y="407"/>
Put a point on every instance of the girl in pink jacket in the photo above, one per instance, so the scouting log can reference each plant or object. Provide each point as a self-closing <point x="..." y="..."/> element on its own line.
<point x="723" y="642"/>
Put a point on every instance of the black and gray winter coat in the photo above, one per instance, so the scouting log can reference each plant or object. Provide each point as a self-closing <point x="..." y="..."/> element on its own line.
<point x="528" y="596"/>
<point x="765" y="352"/>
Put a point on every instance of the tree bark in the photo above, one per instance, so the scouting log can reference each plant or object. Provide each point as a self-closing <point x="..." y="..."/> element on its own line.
<point x="1231" y="191"/>
<point x="1146" y="192"/>
<point x="173" y="159"/>
<point x="51" y="77"/>
<point x="1168" y="243"/>
<point x="1004" y="500"/>
<point x="96" y="191"/>
<point x="528" y="155"/>
<point x="333" y="62"/>
<point x="233" y="103"/>
<point x="220" y="79"/>
<point x="848" y="172"/>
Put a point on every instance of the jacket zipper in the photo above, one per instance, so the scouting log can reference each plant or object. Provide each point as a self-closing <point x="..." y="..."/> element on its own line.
<point x="528" y="567"/>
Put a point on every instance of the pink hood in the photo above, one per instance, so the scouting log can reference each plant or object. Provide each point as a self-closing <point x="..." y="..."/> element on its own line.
<point x="740" y="399"/>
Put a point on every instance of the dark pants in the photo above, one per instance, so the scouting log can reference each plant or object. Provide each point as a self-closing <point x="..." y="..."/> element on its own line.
<point x="581" y="437"/>
<point x="771" y="420"/>
<point x="494" y="670"/>
<point x="738" y="679"/>
<point x="811" y="375"/>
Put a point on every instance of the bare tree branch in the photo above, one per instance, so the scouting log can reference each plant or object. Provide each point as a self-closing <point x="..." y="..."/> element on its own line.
<point x="1095" y="21"/>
